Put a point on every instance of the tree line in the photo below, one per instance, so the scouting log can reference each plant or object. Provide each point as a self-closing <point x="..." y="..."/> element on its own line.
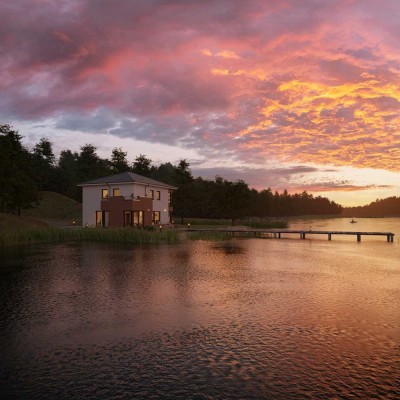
<point x="389" y="207"/>
<point x="24" y="173"/>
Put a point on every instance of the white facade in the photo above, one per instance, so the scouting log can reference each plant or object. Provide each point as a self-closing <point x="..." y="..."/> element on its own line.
<point x="92" y="196"/>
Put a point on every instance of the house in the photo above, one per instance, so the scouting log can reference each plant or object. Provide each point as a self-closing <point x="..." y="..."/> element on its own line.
<point x="126" y="199"/>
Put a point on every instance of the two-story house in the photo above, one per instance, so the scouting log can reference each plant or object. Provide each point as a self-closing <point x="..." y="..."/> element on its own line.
<point x="126" y="199"/>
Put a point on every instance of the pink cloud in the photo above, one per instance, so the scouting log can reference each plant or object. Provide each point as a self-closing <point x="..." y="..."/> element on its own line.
<point x="310" y="82"/>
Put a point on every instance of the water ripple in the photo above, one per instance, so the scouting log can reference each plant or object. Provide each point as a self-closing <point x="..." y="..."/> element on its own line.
<point x="219" y="361"/>
<point x="254" y="320"/>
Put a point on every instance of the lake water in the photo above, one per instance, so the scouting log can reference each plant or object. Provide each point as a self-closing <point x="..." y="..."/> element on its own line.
<point x="246" y="318"/>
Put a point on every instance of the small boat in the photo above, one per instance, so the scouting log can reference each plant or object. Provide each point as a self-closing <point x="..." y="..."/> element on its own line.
<point x="353" y="221"/>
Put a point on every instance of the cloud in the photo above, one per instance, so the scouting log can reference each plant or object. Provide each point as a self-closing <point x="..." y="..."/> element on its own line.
<point x="294" y="82"/>
<point x="92" y="122"/>
<point x="340" y="186"/>
<point x="260" y="178"/>
<point x="341" y="70"/>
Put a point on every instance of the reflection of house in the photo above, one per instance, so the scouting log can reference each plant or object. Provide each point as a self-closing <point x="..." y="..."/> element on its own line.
<point x="125" y="199"/>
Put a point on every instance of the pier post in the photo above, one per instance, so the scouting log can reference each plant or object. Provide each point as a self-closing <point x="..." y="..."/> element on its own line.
<point x="329" y="236"/>
<point x="279" y="235"/>
<point x="358" y="237"/>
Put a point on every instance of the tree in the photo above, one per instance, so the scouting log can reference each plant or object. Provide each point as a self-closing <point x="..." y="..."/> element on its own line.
<point x="165" y="173"/>
<point x="18" y="189"/>
<point x="23" y="192"/>
<point x="261" y="204"/>
<point x="142" y="165"/>
<point x="236" y="200"/>
<point x="44" y="165"/>
<point x="189" y="200"/>
<point x="68" y="173"/>
<point x="118" y="162"/>
<point x="183" y="172"/>
<point x="186" y="200"/>
<point x="378" y="208"/>
<point x="44" y="151"/>
<point x="90" y="165"/>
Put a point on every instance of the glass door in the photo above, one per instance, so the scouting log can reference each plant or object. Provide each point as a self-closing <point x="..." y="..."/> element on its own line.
<point x="127" y="218"/>
<point x="138" y="218"/>
<point x="102" y="218"/>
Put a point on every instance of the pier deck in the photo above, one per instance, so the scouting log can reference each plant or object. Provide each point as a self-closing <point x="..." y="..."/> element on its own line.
<point x="277" y="233"/>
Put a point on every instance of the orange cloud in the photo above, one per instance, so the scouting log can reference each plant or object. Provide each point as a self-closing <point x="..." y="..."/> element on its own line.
<point x="288" y="81"/>
<point x="227" y="54"/>
<point x="350" y="124"/>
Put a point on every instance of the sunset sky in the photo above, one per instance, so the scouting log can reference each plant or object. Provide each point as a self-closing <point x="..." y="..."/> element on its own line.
<point x="295" y="94"/>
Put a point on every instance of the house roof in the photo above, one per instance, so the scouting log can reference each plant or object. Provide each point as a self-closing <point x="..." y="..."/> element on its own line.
<point x="126" y="177"/>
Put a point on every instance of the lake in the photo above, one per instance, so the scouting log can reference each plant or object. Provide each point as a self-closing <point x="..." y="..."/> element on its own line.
<point x="245" y="318"/>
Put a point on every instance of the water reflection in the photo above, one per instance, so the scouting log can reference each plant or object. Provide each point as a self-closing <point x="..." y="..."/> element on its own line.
<point x="230" y="247"/>
<point x="343" y="224"/>
<point x="238" y="319"/>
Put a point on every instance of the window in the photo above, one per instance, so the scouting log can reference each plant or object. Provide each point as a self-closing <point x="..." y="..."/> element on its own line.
<point x="169" y="199"/>
<point x="156" y="217"/>
<point x="152" y="194"/>
<point x="158" y="195"/>
<point x="98" y="218"/>
<point x="104" y="193"/>
<point x="102" y="218"/>
<point x="138" y="218"/>
<point x="116" y="192"/>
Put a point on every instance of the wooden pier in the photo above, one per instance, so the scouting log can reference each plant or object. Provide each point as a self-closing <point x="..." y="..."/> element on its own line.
<point x="277" y="233"/>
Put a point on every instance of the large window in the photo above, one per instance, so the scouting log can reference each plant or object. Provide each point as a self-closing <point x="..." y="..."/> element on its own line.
<point x="116" y="192"/>
<point x="156" y="217"/>
<point x="133" y="218"/>
<point x="102" y="218"/>
<point x="158" y="195"/>
<point x="152" y="194"/>
<point x="98" y="218"/>
<point x="104" y="193"/>
<point x="138" y="218"/>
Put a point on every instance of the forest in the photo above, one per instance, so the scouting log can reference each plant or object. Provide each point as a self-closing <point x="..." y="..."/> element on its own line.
<point x="389" y="207"/>
<point x="24" y="173"/>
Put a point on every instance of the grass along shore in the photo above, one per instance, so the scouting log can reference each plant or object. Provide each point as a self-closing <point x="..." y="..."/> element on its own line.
<point x="53" y="234"/>
<point x="260" y="223"/>
<point x="29" y="230"/>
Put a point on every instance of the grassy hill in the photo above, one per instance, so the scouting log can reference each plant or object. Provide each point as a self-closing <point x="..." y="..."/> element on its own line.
<point x="12" y="222"/>
<point x="55" y="208"/>
<point x="52" y="209"/>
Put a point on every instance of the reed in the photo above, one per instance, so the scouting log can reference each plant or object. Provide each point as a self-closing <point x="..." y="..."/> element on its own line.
<point x="207" y="221"/>
<point x="54" y="234"/>
<point x="213" y="235"/>
<point x="261" y="223"/>
<point x="119" y="235"/>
